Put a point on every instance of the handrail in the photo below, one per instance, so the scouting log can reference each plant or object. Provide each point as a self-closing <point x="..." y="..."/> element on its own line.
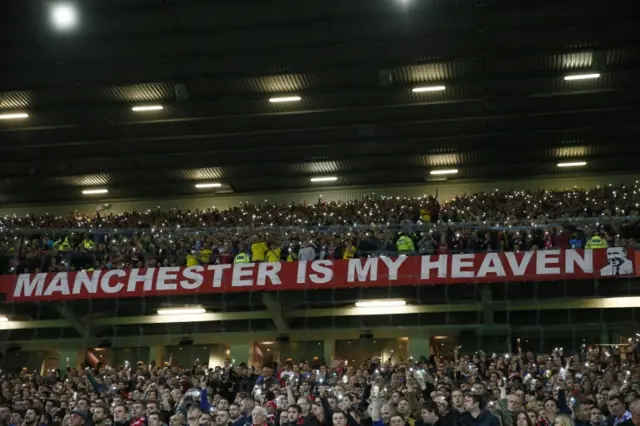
<point x="406" y="227"/>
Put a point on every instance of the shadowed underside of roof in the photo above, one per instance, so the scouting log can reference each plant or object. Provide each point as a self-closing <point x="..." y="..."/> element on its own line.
<point x="506" y="111"/>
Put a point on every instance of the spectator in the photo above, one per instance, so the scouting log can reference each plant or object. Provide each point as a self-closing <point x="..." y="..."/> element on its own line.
<point x="522" y="382"/>
<point x="100" y="415"/>
<point x="514" y="220"/>
<point x="79" y="418"/>
<point x="428" y="415"/>
<point x="618" y="410"/>
<point x="259" y="416"/>
<point x="523" y="419"/>
<point x="476" y="413"/>
<point x="634" y="408"/>
<point x="306" y="253"/>
<point x="258" y="248"/>
<point x="582" y="414"/>
<point x="120" y="415"/>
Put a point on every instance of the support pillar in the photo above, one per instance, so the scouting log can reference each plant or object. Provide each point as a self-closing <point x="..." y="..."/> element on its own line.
<point x="156" y="353"/>
<point x="240" y="353"/>
<point x="419" y="346"/>
<point x="616" y="338"/>
<point x="487" y="305"/>
<point x="76" y="358"/>
<point x="329" y="350"/>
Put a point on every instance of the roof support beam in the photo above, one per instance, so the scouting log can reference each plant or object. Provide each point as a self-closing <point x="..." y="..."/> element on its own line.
<point x="275" y="310"/>
<point x="498" y="306"/>
<point x="311" y="335"/>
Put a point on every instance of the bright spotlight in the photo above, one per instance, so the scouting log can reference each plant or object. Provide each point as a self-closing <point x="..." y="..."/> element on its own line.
<point x="14" y="116"/>
<point x="283" y="99"/>
<point x="573" y="77"/>
<point x="573" y="164"/>
<point x="144" y="108"/>
<point x="324" y="179"/>
<point x="380" y="303"/>
<point x="64" y="16"/>
<point x="95" y="191"/>
<point x="195" y="310"/>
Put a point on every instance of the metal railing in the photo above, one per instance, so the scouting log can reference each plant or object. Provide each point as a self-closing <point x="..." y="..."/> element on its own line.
<point x="509" y="225"/>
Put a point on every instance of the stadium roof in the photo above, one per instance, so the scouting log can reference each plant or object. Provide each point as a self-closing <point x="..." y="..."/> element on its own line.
<point x="506" y="110"/>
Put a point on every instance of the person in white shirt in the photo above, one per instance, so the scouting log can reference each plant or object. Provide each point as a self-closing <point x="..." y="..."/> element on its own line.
<point x="306" y="252"/>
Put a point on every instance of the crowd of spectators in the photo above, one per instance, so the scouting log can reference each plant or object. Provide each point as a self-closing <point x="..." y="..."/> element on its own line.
<point x="514" y="220"/>
<point x="596" y="387"/>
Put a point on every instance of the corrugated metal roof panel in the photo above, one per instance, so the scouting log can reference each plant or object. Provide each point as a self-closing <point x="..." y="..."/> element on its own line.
<point x="210" y="173"/>
<point x="319" y="167"/>
<point x="440" y="71"/>
<point x="86" y="180"/>
<point x="18" y="99"/>
<point x="144" y="92"/>
<point x="282" y="83"/>
<point x="622" y="56"/>
<point x="529" y="64"/>
<point x="570" y="61"/>
<point x="440" y="160"/>
<point x="576" y="151"/>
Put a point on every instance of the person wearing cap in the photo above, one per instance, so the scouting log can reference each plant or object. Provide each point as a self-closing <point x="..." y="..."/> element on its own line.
<point x="80" y="418"/>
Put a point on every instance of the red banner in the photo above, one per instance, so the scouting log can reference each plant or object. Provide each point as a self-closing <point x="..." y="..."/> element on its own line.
<point x="539" y="265"/>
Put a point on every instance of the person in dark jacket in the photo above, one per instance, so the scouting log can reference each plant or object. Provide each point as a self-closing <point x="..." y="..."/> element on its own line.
<point x="476" y="413"/>
<point x="428" y="415"/>
<point x="582" y="414"/>
<point x="448" y="416"/>
<point x="294" y="415"/>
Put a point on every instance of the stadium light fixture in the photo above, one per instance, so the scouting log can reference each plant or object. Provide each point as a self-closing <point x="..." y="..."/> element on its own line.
<point x="14" y="116"/>
<point x="95" y="191"/>
<point x="182" y="311"/>
<point x="573" y="164"/>
<point x="144" y="108"/>
<point x="324" y="179"/>
<point x="208" y="185"/>
<point x="573" y="77"/>
<point x="621" y="302"/>
<point x="423" y="89"/>
<point x="64" y="16"/>
<point x="282" y="99"/>
<point x="4" y="319"/>
<point x="380" y="303"/>
<point x="444" y="172"/>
